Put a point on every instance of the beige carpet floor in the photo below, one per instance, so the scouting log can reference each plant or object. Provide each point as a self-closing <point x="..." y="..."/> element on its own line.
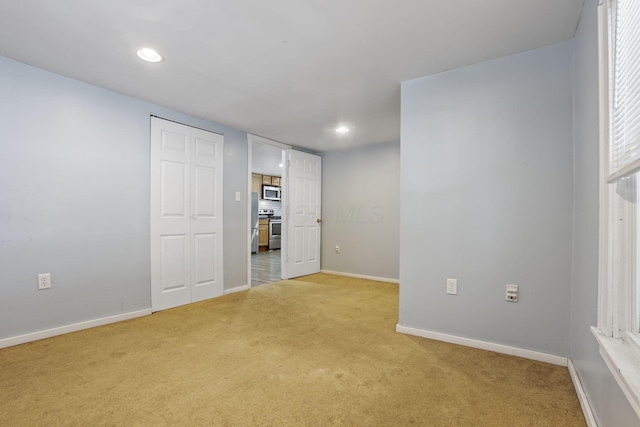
<point x="321" y="350"/>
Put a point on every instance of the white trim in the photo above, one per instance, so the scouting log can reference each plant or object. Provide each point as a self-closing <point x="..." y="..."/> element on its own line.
<point x="186" y="123"/>
<point x="582" y="397"/>
<point x="284" y="232"/>
<point x="361" y="276"/>
<point x="248" y="202"/>
<point x="484" y="345"/>
<point x="237" y="289"/>
<point x="48" y="333"/>
<point x="621" y="359"/>
<point x="626" y="171"/>
<point x="605" y="298"/>
<point x="263" y="140"/>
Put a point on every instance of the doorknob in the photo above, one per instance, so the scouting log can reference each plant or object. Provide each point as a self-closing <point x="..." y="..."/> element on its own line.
<point x="318" y="220"/>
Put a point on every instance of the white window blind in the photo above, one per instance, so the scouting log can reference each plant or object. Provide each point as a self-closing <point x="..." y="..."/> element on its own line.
<point x="624" y="142"/>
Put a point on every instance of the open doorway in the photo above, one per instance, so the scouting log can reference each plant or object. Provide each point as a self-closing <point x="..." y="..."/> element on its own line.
<point x="267" y="181"/>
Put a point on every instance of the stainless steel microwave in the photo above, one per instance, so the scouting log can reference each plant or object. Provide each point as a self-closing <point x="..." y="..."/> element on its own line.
<point x="270" y="193"/>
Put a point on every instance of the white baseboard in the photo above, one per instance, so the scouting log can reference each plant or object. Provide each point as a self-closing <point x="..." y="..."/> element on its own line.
<point x="361" y="276"/>
<point x="236" y="289"/>
<point x="582" y="397"/>
<point x="484" y="345"/>
<point x="47" y="333"/>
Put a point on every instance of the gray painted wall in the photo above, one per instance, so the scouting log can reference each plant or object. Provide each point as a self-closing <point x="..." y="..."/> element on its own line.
<point x="361" y="210"/>
<point x="486" y="195"/>
<point x="74" y="193"/>
<point x="607" y="400"/>
<point x="74" y="200"/>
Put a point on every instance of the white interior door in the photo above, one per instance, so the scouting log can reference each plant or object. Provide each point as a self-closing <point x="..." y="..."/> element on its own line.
<point x="186" y="214"/>
<point x="304" y="213"/>
<point x="206" y="215"/>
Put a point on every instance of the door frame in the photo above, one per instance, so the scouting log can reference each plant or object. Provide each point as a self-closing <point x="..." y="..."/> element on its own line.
<point x="286" y="150"/>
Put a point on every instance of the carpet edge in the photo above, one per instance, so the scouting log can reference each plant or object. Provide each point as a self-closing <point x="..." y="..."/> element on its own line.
<point x="74" y="327"/>
<point x="362" y="276"/>
<point x="484" y="345"/>
<point x="582" y="397"/>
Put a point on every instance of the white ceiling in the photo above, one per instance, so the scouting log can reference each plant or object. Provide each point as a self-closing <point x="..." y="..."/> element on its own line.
<point x="288" y="70"/>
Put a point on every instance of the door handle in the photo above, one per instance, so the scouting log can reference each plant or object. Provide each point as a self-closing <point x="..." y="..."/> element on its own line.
<point x="318" y="220"/>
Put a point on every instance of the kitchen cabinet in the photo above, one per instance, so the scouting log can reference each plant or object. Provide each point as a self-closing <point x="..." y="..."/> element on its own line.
<point x="256" y="183"/>
<point x="271" y="180"/>
<point x="263" y="233"/>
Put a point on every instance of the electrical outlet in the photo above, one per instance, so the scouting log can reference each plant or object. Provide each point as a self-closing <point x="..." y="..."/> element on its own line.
<point x="452" y="286"/>
<point x="512" y="293"/>
<point x="44" y="281"/>
<point x="237" y="196"/>
<point x="337" y="249"/>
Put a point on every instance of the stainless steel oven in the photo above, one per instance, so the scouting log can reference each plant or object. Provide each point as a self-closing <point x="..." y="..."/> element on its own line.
<point x="275" y="233"/>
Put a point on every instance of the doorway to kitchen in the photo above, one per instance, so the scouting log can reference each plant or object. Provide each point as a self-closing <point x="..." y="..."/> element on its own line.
<point x="267" y="167"/>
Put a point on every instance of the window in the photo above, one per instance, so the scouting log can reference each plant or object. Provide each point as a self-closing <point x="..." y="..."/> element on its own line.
<point x="618" y="330"/>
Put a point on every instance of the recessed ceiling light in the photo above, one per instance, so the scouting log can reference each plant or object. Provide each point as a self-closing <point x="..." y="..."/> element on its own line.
<point x="149" y="55"/>
<point x="342" y="129"/>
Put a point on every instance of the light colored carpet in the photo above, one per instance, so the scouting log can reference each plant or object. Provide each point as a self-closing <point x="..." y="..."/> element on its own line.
<point x="321" y="350"/>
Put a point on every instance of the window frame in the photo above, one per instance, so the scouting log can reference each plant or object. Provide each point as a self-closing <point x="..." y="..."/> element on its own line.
<point x="617" y="328"/>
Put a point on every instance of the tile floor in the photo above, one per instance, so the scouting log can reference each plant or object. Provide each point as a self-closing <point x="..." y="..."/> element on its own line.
<point x="265" y="267"/>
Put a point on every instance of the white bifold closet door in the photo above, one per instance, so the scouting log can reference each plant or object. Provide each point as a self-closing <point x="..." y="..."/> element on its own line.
<point x="186" y="214"/>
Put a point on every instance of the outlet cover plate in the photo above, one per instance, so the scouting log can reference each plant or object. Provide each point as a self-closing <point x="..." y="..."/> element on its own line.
<point x="44" y="281"/>
<point x="452" y="286"/>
